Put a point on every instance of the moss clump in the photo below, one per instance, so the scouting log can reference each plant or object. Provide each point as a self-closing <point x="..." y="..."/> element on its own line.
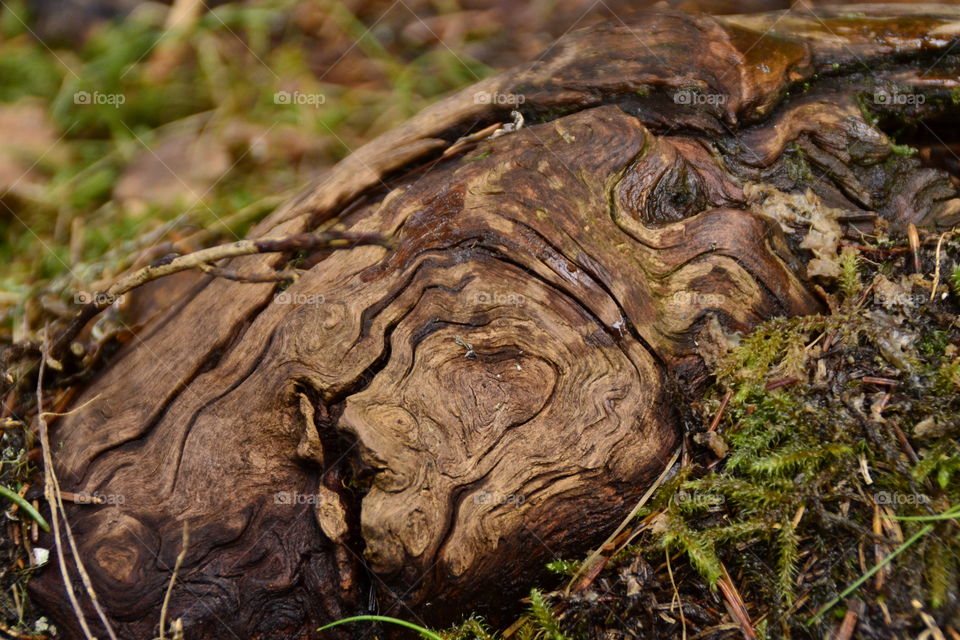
<point x="797" y="165"/>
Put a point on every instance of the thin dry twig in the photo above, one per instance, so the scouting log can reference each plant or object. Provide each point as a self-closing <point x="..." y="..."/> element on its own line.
<point x="883" y="251"/>
<point x="723" y="407"/>
<point x="81" y="569"/>
<point x="205" y="258"/>
<point x="781" y="383"/>
<point x="849" y="624"/>
<point x="737" y="608"/>
<point x="471" y="140"/>
<point x="676" y="597"/>
<point x="595" y="555"/>
<point x="936" y="268"/>
<point x="61" y="414"/>
<point x="51" y="492"/>
<point x="148" y="247"/>
<point x="173" y="578"/>
<point x="198" y="259"/>
<point x="81" y="498"/>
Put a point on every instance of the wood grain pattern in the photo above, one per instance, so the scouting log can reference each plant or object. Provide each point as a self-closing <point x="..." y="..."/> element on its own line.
<point x="436" y="422"/>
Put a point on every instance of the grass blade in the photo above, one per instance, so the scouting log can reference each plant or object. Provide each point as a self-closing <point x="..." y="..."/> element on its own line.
<point x="25" y="506"/>
<point x="426" y="633"/>
<point x="880" y="565"/>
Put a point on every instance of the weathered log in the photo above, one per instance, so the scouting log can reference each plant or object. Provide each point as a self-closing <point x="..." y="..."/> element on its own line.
<point x="427" y="426"/>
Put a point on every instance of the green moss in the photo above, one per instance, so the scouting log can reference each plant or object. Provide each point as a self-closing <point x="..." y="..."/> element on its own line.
<point x="473" y="628"/>
<point x="933" y="344"/>
<point x="903" y="149"/>
<point x="544" y="617"/>
<point x="849" y="282"/>
<point x="797" y="166"/>
<point x="563" y="567"/>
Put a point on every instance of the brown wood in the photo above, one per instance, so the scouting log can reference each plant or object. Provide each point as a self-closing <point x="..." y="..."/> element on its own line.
<point x="435" y="422"/>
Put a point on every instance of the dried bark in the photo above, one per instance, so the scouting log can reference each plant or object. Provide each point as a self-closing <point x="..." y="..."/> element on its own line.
<point x="497" y="390"/>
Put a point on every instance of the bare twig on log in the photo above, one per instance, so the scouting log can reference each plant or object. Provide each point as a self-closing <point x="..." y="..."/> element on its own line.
<point x="283" y="275"/>
<point x="163" y="267"/>
<point x="204" y="258"/>
<point x="148" y="247"/>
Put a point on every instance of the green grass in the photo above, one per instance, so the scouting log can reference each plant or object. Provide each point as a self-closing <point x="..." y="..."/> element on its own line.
<point x="423" y="631"/>
<point x="24" y="506"/>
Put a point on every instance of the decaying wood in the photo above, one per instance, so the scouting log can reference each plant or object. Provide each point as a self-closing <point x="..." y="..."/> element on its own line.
<point x="432" y="423"/>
